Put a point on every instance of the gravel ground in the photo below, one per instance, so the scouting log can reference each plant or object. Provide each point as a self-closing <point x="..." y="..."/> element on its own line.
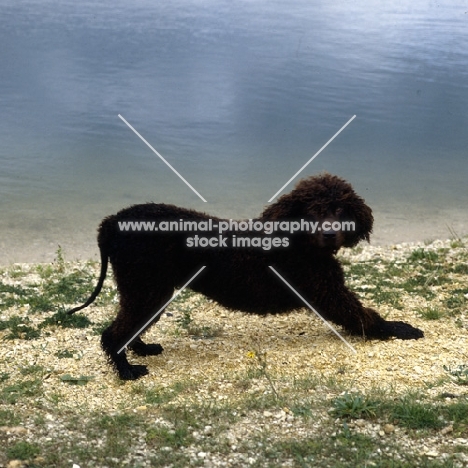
<point x="292" y="347"/>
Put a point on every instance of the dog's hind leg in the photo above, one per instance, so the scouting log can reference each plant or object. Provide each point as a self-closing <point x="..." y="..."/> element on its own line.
<point x="125" y="370"/>
<point x="140" y="298"/>
<point x="118" y="336"/>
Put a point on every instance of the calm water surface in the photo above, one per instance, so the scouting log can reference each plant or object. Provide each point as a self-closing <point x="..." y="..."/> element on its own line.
<point x="237" y="96"/>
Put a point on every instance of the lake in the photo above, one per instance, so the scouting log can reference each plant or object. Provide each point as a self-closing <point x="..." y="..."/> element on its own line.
<point x="236" y="96"/>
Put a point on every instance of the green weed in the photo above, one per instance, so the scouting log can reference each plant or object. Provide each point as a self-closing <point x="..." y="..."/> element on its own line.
<point x="416" y="415"/>
<point x="460" y="373"/>
<point x="25" y="389"/>
<point x="23" y="451"/>
<point x="64" y="320"/>
<point x="430" y="313"/>
<point x="19" y="328"/>
<point x="354" y="406"/>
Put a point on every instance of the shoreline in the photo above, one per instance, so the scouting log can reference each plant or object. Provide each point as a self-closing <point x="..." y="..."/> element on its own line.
<point x="361" y="252"/>
<point x="31" y="255"/>
<point x="36" y="243"/>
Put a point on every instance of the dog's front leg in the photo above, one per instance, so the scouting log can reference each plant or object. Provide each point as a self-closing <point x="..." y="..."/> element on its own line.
<point x="341" y="306"/>
<point x="344" y="308"/>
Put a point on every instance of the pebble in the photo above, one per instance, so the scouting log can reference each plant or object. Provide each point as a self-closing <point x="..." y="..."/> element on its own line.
<point x="389" y="428"/>
<point x="432" y="454"/>
<point x="14" y="429"/>
<point x="447" y="430"/>
<point x="15" y="464"/>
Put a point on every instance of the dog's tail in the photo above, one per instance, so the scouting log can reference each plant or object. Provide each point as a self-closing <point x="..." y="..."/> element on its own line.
<point x="97" y="290"/>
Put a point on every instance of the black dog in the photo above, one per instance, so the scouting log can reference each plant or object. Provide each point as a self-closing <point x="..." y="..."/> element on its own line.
<point x="148" y="266"/>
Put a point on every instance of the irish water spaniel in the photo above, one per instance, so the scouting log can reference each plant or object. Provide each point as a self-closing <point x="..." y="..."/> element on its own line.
<point x="148" y="266"/>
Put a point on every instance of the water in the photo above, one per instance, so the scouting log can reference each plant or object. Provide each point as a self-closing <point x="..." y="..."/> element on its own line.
<point x="237" y="96"/>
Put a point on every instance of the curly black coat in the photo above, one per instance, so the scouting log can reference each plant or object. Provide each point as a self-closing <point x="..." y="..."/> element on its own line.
<point x="148" y="266"/>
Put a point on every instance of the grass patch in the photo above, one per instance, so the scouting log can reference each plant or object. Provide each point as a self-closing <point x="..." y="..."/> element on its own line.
<point x="158" y="437"/>
<point x="460" y="268"/>
<point x="303" y="452"/>
<point x="386" y="295"/>
<point x="460" y="374"/>
<point x="58" y="287"/>
<point x="185" y="321"/>
<point x="117" y="431"/>
<point x="62" y="319"/>
<point x="11" y="394"/>
<point x="426" y="273"/>
<point x="425" y="257"/>
<point x="353" y="406"/>
<point x="9" y="418"/>
<point x="30" y="370"/>
<point x="416" y="415"/>
<point x="158" y="396"/>
<point x="458" y="413"/>
<point x="186" y="294"/>
<point x="410" y="411"/>
<point x="457" y="302"/>
<point x="19" y="328"/>
<point x="23" y="451"/>
<point x="64" y="354"/>
<point x="81" y="380"/>
<point x="430" y="313"/>
<point x="4" y="376"/>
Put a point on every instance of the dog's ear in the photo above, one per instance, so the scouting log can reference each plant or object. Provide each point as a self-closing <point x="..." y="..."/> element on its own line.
<point x="288" y="206"/>
<point x="362" y="215"/>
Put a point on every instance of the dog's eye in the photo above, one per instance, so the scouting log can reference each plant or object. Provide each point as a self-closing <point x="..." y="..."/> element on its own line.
<point x="339" y="211"/>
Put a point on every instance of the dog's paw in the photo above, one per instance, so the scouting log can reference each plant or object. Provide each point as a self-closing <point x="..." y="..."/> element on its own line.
<point x="133" y="372"/>
<point x="384" y="330"/>
<point x="405" y="331"/>
<point x="153" y="349"/>
<point x="143" y="349"/>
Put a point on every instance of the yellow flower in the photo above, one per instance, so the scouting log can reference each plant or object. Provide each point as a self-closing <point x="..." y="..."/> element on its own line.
<point x="251" y="354"/>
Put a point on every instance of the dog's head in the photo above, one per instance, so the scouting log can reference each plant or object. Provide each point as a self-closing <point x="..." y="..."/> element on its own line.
<point x="341" y="217"/>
